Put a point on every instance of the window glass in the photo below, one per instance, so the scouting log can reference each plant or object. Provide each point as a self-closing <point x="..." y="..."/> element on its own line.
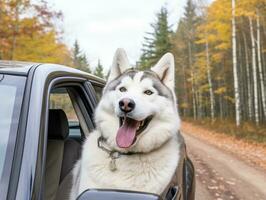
<point x="11" y="90"/>
<point x="7" y="96"/>
<point x="60" y="99"/>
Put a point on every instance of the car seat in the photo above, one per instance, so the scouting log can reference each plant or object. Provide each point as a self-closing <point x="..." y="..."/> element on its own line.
<point x="62" y="153"/>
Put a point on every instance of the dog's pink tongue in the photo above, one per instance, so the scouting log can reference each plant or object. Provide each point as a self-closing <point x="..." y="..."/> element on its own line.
<point x="126" y="133"/>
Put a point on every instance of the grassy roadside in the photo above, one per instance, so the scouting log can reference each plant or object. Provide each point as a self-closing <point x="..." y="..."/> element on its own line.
<point x="247" y="131"/>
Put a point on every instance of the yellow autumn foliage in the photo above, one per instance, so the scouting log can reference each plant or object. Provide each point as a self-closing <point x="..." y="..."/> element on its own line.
<point x="27" y="34"/>
<point x="41" y="47"/>
<point x="220" y="90"/>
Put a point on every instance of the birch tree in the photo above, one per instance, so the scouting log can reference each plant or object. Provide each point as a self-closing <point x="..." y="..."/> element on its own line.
<point x="221" y="67"/>
<point x="254" y="69"/>
<point x="235" y="72"/>
<point x="263" y="98"/>
<point x="209" y="80"/>
<point x="248" y="77"/>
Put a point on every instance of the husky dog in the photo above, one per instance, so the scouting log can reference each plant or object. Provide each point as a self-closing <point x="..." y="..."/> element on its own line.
<point x="135" y="144"/>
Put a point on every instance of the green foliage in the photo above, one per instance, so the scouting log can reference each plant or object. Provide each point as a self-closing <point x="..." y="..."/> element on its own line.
<point x="79" y="59"/>
<point x="185" y="50"/>
<point x="157" y="42"/>
<point x="202" y="46"/>
<point x="99" y="70"/>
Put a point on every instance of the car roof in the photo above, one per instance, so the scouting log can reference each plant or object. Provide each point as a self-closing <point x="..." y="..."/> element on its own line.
<point x="16" y="66"/>
<point x="22" y="68"/>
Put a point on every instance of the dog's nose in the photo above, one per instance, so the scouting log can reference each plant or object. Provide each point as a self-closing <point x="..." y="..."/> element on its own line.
<point x="126" y="105"/>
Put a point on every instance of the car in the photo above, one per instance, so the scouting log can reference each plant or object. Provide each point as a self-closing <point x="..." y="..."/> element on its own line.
<point x="45" y="112"/>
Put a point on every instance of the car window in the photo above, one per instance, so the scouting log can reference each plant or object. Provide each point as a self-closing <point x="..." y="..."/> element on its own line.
<point x="11" y="93"/>
<point x="60" y="99"/>
<point x="98" y="91"/>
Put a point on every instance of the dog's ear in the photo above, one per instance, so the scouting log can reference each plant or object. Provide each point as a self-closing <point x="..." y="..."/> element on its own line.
<point x="165" y="69"/>
<point x="120" y="64"/>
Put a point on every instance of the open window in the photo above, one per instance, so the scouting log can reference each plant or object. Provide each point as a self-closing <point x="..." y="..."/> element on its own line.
<point x="69" y="121"/>
<point x="66" y="99"/>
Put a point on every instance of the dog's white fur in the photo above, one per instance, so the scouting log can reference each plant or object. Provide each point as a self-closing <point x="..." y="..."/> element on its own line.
<point x="151" y="169"/>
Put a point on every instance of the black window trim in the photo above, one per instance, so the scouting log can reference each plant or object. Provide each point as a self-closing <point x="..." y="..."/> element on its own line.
<point x="89" y="88"/>
<point x="83" y="108"/>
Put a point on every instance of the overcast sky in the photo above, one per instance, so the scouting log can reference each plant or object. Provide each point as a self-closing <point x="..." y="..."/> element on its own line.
<point x="101" y="26"/>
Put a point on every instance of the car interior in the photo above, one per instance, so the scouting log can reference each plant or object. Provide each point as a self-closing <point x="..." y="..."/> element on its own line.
<point x="62" y="153"/>
<point x="66" y="129"/>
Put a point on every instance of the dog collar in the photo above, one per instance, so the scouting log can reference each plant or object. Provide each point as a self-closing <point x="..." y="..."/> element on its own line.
<point x="113" y="154"/>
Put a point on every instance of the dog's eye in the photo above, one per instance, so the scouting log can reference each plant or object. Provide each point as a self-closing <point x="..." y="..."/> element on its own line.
<point x="122" y="89"/>
<point x="148" y="92"/>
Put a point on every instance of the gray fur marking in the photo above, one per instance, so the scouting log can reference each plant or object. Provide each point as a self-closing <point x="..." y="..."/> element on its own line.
<point x="114" y="83"/>
<point x="157" y="84"/>
<point x="162" y="89"/>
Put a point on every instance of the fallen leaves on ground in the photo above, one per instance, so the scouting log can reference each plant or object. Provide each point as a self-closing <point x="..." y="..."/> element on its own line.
<point x="251" y="152"/>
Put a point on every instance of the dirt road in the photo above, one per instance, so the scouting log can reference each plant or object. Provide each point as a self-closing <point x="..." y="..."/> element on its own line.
<point x="221" y="175"/>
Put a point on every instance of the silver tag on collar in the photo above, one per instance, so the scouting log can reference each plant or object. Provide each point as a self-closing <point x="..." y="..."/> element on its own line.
<point x="112" y="165"/>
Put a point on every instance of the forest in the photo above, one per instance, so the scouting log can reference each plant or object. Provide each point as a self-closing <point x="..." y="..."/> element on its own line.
<point x="220" y="57"/>
<point x="219" y="48"/>
<point x="32" y="31"/>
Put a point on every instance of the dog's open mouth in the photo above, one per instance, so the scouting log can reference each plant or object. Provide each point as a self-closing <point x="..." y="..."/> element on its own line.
<point x="129" y="130"/>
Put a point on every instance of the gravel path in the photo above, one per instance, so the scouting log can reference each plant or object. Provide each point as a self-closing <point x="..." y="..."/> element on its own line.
<point x="220" y="175"/>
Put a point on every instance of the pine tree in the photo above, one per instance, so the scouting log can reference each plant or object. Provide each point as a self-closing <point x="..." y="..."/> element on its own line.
<point x="99" y="70"/>
<point x="157" y="42"/>
<point x="80" y="59"/>
<point x="220" y="60"/>
<point x="185" y="50"/>
<point x="191" y="22"/>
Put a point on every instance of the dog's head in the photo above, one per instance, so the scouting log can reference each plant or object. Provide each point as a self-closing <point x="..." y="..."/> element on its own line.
<point x="138" y="109"/>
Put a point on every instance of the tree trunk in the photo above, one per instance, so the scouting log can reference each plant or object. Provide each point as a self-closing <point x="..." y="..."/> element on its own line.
<point x="192" y="82"/>
<point x="15" y="31"/>
<point x="209" y="80"/>
<point x="260" y="66"/>
<point x="185" y="89"/>
<point x="236" y="87"/>
<point x="254" y="67"/>
<point x="193" y="96"/>
<point x="248" y="78"/>
<point x="221" y="105"/>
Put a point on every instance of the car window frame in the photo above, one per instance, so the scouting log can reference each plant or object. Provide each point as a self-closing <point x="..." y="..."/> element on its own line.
<point x="81" y="111"/>
<point x="27" y="167"/>
<point x="68" y="91"/>
<point x="16" y="171"/>
<point x="5" y="177"/>
<point x="55" y="83"/>
<point x="91" y="84"/>
<point x="27" y="173"/>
